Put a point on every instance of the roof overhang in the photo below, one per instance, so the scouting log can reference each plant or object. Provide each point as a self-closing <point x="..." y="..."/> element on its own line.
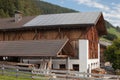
<point x="36" y="48"/>
<point x="100" y="25"/>
<point x="105" y="44"/>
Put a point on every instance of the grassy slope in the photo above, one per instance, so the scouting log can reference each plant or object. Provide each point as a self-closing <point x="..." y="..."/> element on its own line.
<point x="110" y="29"/>
<point x="113" y="31"/>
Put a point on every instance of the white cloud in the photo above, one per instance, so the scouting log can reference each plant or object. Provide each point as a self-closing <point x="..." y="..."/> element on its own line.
<point x="93" y="3"/>
<point x="111" y="13"/>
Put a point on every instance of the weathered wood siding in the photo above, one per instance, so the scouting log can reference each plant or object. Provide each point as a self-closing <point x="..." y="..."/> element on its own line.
<point x="92" y="36"/>
<point x="36" y="34"/>
<point x="72" y="34"/>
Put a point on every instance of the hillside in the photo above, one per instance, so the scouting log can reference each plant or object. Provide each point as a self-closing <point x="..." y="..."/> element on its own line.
<point x="29" y="8"/>
<point x="48" y="8"/>
<point x="113" y="32"/>
<point x="36" y="7"/>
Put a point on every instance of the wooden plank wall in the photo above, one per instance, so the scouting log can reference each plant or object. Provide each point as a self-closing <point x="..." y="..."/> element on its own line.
<point x="73" y="35"/>
<point x="92" y="36"/>
<point x="37" y="34"/>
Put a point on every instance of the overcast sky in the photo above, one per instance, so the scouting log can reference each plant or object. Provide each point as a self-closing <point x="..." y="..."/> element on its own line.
<point x="110" y="8"/>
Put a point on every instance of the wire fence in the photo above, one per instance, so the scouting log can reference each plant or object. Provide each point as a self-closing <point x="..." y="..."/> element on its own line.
<point x="52" y="74"/>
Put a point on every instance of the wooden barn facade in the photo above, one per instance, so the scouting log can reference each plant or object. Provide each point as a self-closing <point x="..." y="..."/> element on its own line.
<point x="74" y="36"/>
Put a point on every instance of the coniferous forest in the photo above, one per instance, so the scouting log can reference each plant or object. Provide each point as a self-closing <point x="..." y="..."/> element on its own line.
<point x="29" y="7"/>
<point x="8" y="7"/>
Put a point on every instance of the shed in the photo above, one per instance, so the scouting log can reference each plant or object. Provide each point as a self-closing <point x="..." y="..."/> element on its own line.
<point x="36" y="48"/>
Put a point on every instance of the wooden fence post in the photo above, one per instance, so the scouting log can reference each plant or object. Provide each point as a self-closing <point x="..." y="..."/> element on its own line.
<point x="32" y="73"/>
<point x="3" y="68"/>
<point x="68" y="67"/>
<point x="17" y="70"/>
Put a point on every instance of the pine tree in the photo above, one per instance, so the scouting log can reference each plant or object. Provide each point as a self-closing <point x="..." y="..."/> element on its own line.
<point x="27" y="7"/>
<point x="2" y="13"/>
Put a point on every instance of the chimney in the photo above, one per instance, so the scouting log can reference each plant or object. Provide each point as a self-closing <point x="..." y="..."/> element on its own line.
<point x="18" y="16"/>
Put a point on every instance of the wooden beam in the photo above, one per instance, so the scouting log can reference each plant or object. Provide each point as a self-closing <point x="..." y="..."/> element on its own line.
<point x="41" y="35"/>
<point x="50" y="63"/>
<point x="36" y="35"/>
<point x="57" y="36"/>
<point x="85" y="32"/>
<point x="59" y="32"/>
<point x="66" y="35"/>
<point x="8" y="36"/>
<point x="16" y="34"/>
<point x="3" y="36"/>
<point x="20" y="36"/>
<point x="62" y="56"/>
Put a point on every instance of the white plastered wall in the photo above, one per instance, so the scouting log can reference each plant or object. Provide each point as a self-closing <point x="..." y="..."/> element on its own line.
<point x="86" y="64"/>
<point x="83" y="55"/>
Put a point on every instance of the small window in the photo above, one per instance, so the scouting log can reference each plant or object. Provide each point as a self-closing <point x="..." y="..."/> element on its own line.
<point x="76" y="67"/>
<point x="62" y="66"/>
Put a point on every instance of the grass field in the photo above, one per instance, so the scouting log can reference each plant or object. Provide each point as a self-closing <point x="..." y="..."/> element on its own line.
<point x="14" y="78"/>
<point x="4" y="77"/>
<point x="11" y="75"/>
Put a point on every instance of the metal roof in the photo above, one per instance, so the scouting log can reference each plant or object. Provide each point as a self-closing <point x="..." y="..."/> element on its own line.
<point x="64" y="19"/>
<point x="105" y="43"/>
<point x="32" y="48"/>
